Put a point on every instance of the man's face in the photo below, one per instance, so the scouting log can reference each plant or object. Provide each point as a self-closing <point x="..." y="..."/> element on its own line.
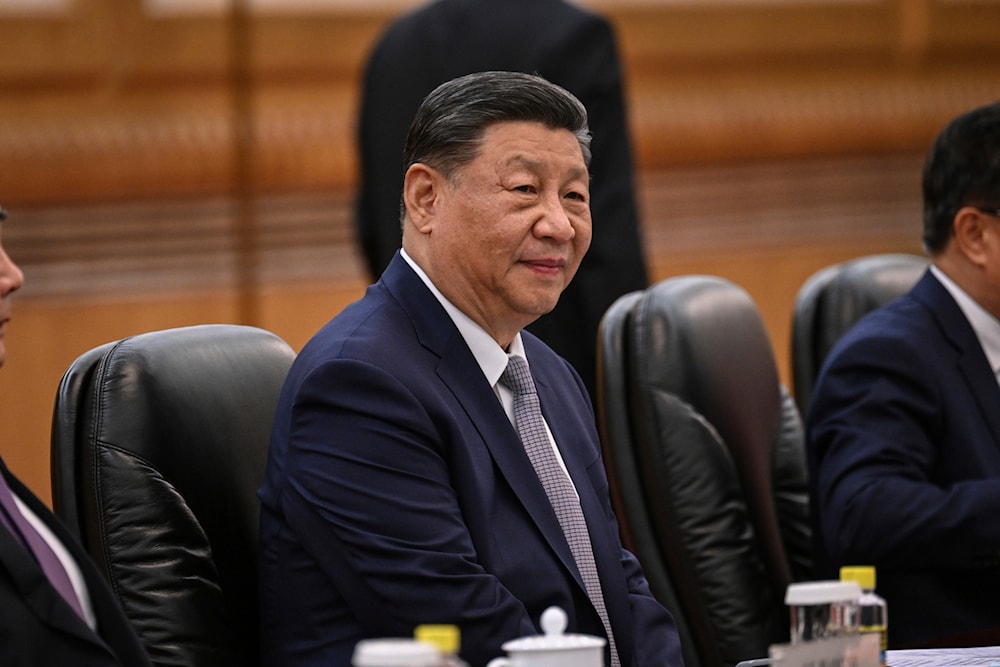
<point x="510" y="227"/>
<point x="991" y="251"/>
<point x="11" y="280"/>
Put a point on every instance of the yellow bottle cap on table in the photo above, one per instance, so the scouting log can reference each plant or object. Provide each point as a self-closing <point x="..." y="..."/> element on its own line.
<point x="864" y="575"/>
<point x="445" y="638"/>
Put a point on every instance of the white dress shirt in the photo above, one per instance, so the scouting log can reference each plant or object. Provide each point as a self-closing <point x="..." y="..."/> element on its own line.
<point x="492" y="358"/>
<point x="67" y="560"/>
<point x="986" y="326"/>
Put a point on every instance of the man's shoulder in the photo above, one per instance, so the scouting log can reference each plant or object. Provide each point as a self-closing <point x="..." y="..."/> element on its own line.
<point x="920" y="317"/>
<point x="547" y="365"/>
<point x="890" y="330"/>
<point x="373" y="321"/>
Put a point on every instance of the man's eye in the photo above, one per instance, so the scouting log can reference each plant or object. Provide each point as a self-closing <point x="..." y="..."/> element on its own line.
<point x="578" y="196"/>
<point x="529" y="189"/>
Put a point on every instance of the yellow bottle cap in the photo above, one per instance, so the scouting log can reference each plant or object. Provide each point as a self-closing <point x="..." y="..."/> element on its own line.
<point x="864" y="575"/>
<point x="445" y="638"/>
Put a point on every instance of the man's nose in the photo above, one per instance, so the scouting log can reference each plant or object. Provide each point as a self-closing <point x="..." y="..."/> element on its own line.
<point x="11" y="276"/>
<point x="556" y="222"/>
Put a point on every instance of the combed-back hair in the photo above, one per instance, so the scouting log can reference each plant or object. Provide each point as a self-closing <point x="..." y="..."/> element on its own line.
<point x="962" y="169"/>
<point x="448" y="128"/>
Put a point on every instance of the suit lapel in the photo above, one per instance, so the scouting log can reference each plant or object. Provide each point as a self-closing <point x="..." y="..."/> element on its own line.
<point x="28" y="578"/>
<point x="970" y="359"/>
<point x="459" y="370"/>
<point x="487" y="415"/>
<point x="571" y="428"/>
<point x="566" y="430"/>
<point x="982" y="384"/>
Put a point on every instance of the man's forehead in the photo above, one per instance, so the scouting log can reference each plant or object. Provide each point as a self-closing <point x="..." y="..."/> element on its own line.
<point x="534" y="164"/>
<point x="507" y="126"/>
<point x="516" y="141"/>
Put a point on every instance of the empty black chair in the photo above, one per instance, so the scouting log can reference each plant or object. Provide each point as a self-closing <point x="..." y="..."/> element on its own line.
<point x="833" y="299"/>
<point x="159" y="444"/>
<point x="614" y="421"/>
<point x="716" y="446"/>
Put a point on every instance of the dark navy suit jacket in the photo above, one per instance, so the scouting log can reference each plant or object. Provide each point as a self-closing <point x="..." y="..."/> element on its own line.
<point x="904" y="449"/>
<point x="397" y="492"/>
<point x="37" y="627"/>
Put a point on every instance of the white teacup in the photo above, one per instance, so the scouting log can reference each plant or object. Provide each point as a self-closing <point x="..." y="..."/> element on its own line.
<point x="554" y="648"/>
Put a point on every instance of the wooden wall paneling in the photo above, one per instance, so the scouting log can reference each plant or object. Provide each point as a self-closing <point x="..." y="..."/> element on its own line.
<point x="658" y="38"/>
<point x="67" y="49"/>
<point x="772" y="139"/>
<point x="963" y="29"/>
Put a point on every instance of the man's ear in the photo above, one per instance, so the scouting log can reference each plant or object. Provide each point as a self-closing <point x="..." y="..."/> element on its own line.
<point x="422" y="188"/>
<point x="970" y="226"/>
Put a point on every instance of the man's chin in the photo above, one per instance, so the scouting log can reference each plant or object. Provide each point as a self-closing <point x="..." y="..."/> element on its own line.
<point x="543" y="310"/>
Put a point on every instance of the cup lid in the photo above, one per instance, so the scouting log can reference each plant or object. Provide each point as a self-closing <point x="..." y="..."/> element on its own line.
<point x="822" y="592"/>
<point x="553" y="623"/>
<point x="394" y="652"/>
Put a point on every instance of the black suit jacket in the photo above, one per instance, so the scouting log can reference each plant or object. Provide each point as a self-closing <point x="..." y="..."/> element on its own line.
<point x="37" y="627"/>
<point x="568" y="46"/>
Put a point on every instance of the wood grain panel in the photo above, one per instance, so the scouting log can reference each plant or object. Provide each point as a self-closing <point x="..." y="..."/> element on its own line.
<point x="109" y="103"/>
<point x="772" y="139"/>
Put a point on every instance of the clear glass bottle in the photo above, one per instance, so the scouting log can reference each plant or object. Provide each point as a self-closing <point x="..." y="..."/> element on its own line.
<point x="447" y="639"/>
<point x="872" y="608"/>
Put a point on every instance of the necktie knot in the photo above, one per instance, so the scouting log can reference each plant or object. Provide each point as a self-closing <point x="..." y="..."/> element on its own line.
<point x="517" y="377"/>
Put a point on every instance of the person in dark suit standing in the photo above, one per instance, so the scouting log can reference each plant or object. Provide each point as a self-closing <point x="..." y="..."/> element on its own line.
<point x="569" y="46"/>
<point x="411" y="477"/>
<point x="55" y="609"/>
<point x="904" y="427"/>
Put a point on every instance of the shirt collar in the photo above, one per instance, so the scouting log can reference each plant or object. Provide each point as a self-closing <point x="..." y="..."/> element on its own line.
<point x="986" y="326"/>
<point x="492" y="358"/>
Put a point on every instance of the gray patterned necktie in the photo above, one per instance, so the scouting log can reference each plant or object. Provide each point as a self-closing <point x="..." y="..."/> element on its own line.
<point x="557" y="484"/>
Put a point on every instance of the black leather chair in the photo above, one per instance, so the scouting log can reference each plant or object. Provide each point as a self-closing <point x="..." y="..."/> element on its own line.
<point x="715" y="446"/>
<point x="159" y="443"/>
<point x="614" y="421"/>
<point x="833" y="299"/>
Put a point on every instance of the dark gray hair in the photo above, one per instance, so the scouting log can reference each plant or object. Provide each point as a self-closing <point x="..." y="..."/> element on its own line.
<point x="962" y="169"/>
<point x="448" y="129"/>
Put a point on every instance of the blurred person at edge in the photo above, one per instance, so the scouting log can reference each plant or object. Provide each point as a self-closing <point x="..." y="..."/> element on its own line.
<point x="55" y="607"/>
<point x="904" y="427"/>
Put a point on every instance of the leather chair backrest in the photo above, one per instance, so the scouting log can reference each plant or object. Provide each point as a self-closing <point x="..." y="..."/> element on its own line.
<point x="614" y="421"/>
<point x="159" y="444"/>
<point x="833" y="299"/>
<point x="718" y="450"/>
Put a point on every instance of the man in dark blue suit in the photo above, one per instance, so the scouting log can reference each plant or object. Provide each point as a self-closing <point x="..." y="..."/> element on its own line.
<point x="398" y="491"/>
<point x="904" y="427"/>
<point x="55" y="608"/>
